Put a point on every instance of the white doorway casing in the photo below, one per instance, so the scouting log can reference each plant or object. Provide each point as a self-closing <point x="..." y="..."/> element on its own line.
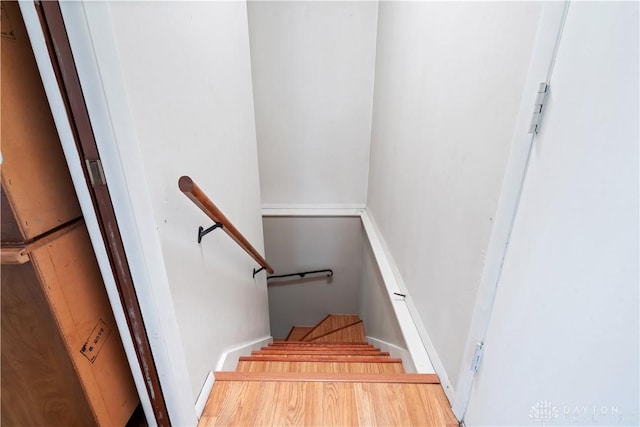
<point x="546" y="43"/>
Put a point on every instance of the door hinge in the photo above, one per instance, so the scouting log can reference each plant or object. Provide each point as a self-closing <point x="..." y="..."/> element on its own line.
<point x="96" y="173"/>
<point x="536" y="118"/>
<point x="477" y="357"/>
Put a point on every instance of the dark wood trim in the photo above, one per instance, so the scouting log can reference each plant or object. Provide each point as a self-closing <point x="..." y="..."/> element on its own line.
<point x="69" y="83"/>
<point x="334" y="331"/>
<point x="200" y="199"/>
<point x="13" y="256"/>
<point x="327" y="377"/>
<point x="302" y="338"/>
<point x="293" y="328"/>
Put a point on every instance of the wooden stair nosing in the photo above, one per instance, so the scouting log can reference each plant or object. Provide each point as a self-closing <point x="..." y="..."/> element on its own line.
<point x="311" y="343"/>
<point x="353" y="359"/>
<point x="323" y="352"/>
<point x="320" y="356"/>
<point x="327" y="377"/>
<point x="321" y="349"/>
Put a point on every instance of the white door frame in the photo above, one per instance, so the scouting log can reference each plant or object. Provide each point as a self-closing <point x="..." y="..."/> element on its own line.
<point x="543" y="56"/>
<point x="67" y="141"/>
<point x="90" y="33"/>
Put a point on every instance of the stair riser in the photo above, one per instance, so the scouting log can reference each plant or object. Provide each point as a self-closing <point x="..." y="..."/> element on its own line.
<point x="326" y="367"/>
<point x="344" y="359"/>
<point x="324" y="352"/>
<point x="323" y="344"/>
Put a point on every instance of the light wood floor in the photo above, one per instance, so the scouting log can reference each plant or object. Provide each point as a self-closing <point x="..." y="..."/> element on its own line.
<point x="244" y="403"/>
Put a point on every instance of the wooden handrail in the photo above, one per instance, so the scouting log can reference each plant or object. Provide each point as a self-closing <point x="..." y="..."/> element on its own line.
<point x="197" y="196"/>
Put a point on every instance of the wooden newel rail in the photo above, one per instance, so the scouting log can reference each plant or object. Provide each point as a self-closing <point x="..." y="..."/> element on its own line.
<point x="197" y="196"/>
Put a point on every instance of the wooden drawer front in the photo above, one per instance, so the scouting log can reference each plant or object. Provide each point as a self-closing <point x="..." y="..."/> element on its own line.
<point x="73" y="286"/>
<point x="35" y="176"/>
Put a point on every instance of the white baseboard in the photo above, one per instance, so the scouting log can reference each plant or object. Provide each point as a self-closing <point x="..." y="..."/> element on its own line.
<point x="228" y="361"/>
<point x="204" y="394"/>
<point x="395" y="351"/>
<point x="419" y="344"/>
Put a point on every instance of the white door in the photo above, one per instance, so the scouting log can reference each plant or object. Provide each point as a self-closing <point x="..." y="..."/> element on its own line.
<point x="562" y="341"/>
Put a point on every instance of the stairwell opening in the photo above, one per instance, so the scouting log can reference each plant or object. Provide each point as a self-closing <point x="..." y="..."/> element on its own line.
<point x="301" y="243"/>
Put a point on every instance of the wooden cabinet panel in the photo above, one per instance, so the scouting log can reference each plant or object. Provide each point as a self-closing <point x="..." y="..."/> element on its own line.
<point x="63" y="363"/>
<point x="35" y="177"/>
<point x="39" y="385"/>
<point x="72" y="284"/>
<point x="62" y="356"/>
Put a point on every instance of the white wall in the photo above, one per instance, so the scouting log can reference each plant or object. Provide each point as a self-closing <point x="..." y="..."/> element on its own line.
<point x="564" y="330"/>
<point x="186" y="72"/>
<point x="447" y="90"/>
<point x="313" y="66"/>
<point x="295" y="244"/>
<point x="375" y="307"/>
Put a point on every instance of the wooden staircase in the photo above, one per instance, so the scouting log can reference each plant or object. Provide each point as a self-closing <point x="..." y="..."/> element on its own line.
<point x="325" y="375"/>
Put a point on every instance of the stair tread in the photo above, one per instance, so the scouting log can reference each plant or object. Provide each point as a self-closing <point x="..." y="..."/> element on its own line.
<point x="326" y="403"/>
<point x="326" y="344"/>
<point x="304" y="358"/>
<point x="327" y="377"/>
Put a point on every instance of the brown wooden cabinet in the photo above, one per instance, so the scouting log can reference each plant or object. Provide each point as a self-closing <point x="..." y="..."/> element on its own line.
<point x="62" y="358"/>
